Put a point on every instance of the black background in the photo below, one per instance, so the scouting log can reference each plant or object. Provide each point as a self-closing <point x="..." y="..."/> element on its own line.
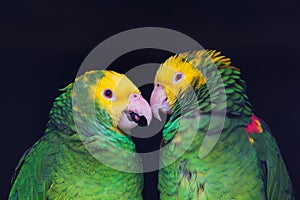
<point x="44" y="43"/>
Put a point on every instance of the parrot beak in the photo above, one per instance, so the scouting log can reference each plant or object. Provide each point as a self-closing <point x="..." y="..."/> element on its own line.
<point x="139" y="107"/>
<point x="138" y="112"/>
<point x="159" y="102"/>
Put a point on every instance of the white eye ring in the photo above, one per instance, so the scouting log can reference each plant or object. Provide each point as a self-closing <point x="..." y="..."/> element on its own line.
<point x="178" y="77"/>
<point x="108" y="94"/>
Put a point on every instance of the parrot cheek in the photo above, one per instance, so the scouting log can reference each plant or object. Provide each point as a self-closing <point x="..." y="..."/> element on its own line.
<point x="159" y="102"/>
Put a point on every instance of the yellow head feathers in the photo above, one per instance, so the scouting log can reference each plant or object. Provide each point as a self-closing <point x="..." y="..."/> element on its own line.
<point x="112" y="93"/>
<point x="188" y="64"/>
<point x="176" y="74"/>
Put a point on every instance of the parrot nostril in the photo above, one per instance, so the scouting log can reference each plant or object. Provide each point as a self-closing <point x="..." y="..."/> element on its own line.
<point x="136" y="96"/>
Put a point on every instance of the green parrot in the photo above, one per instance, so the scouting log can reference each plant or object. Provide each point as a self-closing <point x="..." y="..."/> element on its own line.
<point x="80" y="154"/>
<point x="242" y="161"/>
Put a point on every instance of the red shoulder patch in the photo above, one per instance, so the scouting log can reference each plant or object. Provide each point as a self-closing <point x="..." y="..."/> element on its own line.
<point x="254" y="126"/>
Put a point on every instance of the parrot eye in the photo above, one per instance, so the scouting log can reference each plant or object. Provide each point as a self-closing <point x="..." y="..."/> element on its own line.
<point x="177" y="77"/>
<point x="108" y="94"/>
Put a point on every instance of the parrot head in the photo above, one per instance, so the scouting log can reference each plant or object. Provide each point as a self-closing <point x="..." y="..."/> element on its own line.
<point x="118" y="97"/>
<point x="174" y="76"/>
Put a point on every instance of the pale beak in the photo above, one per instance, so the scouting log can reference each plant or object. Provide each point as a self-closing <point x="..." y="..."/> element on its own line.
<point x="159" y="102"/>
<point x="138" y="112"/>
<point x="139" y="106"/>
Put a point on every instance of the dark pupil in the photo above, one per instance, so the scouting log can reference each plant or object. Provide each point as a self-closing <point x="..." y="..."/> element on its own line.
<point x="178" y="77"/>
<point x="108" y="93"/>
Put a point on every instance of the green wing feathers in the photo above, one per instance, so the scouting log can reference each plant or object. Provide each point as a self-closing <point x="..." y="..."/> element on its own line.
<point x="32" y="177"/>
<point x="278" y="183"/>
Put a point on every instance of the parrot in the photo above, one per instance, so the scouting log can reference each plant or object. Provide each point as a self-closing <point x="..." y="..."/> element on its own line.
<point x="64" y="163"/>
<point x="241" y="162"/>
